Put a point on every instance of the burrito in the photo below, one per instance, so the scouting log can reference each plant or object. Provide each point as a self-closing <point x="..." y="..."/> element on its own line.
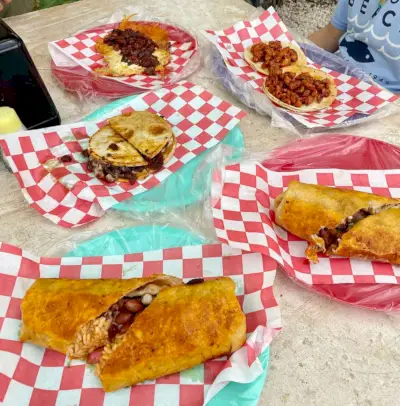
<point x="341" y="222"/>
<point x="137" y="329"/>
<point x="77" y="317"/>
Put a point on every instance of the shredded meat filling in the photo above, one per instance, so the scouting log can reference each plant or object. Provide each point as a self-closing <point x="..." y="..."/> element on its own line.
<point x="110" y="172"/>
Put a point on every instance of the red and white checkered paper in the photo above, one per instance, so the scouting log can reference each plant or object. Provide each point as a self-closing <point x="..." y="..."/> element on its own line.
<point x="354" y="96"/>
<point x="243" y="210"/>
<point x="70" y="195"/>
<point x="81" y="50"/>
<point x="31" y="375"/>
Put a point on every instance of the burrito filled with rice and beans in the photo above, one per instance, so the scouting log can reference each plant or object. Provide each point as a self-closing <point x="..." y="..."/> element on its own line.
<point x="134" y="329"/>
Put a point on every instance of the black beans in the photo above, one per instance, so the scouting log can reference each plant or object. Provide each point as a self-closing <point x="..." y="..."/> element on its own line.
<point x="66" y="158"/>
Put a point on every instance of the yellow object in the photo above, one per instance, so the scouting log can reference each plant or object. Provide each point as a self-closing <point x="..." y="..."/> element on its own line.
<point x="9" y="121"/>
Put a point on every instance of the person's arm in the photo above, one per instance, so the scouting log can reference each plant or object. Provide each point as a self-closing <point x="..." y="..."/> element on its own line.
<point x="327" y="38"/>
<point x="4" y="2"/>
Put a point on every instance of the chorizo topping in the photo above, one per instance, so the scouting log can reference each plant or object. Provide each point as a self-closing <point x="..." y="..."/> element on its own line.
<point x="272" y="53"/>
<point x="135" y="48"/>
<point x="296" y="90"/>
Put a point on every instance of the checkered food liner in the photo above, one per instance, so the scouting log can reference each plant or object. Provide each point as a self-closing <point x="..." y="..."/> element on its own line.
<point x="243" y="210"/>
<point x="31" y="375"/>
<point x="69" y="195"/>
<point x="79" y="50"/>
<point x="354" y="97"/>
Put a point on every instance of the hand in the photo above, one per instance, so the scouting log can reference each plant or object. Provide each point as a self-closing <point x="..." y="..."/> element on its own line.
<point x="4" y="2"/>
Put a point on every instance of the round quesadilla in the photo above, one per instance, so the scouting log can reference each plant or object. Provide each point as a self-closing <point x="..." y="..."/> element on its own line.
<point x="113" y="158"/>
<point x="262" y="55"/>
<point x="300" y="89"/>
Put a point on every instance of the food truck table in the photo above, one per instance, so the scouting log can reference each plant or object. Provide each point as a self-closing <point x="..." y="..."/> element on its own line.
<point x="328" y="353"/>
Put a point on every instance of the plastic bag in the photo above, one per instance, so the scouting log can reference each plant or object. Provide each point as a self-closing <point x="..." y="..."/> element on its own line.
<point x="73" y="66"/>
<point x="324" y="151"/>
<point x="300" y="124"/>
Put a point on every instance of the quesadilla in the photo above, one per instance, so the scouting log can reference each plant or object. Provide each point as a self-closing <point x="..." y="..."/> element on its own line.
<point x="262" y="55"/>
<point x="135" y="329"/>
<point x="127" y="150"/>
<point x="300" y="89"/>
<point x="134" y="48"/>
<point x="341" y="222"/>
<point x="147" y="132"/>
<point x="76" y="317"/>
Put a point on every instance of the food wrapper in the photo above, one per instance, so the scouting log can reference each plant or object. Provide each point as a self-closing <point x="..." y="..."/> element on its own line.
<point x="74" y="59"/>
<point x="243" y="211"/>
<point x="358" y="98"/>
<point x="69" y="195"/>
<point x="33" y="375"/>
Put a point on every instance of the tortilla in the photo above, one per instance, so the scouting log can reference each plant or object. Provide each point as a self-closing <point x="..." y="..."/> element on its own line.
<point x="125" y="155"/>
<point x="184" y="326"/>
<point x="117" y="68"/>
<point x="362" y="225"/>
<point x="167" y="152"/>
<point x="257" y="66"/>
<point x="147" y="132"/>
<point x="317" y="74"/>
<point x="54" y="310"/>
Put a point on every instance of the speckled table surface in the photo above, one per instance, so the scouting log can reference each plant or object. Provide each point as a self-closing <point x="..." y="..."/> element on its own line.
<point x="327" y="354"/>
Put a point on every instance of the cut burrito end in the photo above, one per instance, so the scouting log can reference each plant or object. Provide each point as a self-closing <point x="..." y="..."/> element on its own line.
<point x="184" y="326"/>
<point x="341" y="222"/>
<point x="75" y="316"/>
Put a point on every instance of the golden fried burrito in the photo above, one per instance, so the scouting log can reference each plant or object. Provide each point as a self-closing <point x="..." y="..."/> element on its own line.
<point x="341" y="222"/>
<point x="140" y="330"/>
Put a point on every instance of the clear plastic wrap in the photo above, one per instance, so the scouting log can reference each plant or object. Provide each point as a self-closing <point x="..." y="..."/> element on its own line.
<point x="325" y="151"/>
<point x="244" y="90"/>
<point x="77" y="76"/>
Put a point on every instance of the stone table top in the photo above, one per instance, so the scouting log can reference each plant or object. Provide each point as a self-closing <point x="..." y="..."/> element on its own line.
<point x="328" y="353"/>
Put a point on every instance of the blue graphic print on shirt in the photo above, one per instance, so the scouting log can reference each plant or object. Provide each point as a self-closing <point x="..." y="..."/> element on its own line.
<point x="372" y="37"/>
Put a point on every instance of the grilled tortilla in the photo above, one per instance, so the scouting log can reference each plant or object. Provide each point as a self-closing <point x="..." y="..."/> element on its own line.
<point x="111" y="157"/>
<point x="257" y="66"/>
<point x="341" y="222"/>
<point x="55" y="312"/>
<point x="315" y="106"/>
<point x="184" y="326"/>
<point x="147" y="132"/>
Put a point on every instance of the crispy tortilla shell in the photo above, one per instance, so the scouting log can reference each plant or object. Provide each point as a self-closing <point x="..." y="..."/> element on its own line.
<point x="167" y="152"/>
<point x="257" y="66"/>
<point x="183" y="327"/>
<point x="317" y="74"/>
<point x="125" y="155"/>
<point x="305" y="209"/>
<point x="53" y="310"/>
<point x="146" y="131"/>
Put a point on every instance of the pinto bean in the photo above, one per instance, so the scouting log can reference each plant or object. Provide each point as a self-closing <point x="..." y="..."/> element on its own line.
<point x="124" y="317"/>
<point x="94" y="357"/>
<point x="133" y="305"/>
